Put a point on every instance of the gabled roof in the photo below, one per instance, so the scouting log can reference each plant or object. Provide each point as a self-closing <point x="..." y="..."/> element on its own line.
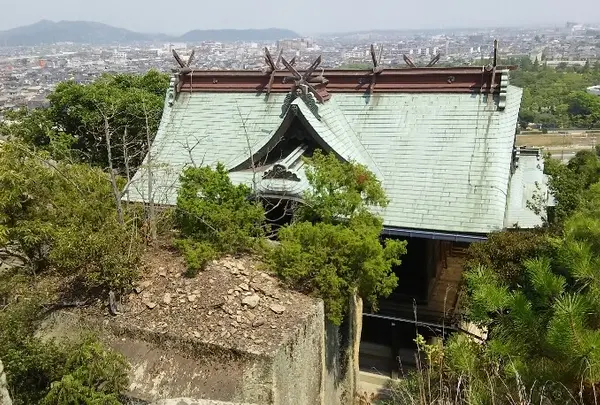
<point x="444" y="156"/>
<point x="328" y="127"/>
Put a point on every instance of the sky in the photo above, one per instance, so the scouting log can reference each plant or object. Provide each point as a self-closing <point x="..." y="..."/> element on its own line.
<point x="302" y="16"/>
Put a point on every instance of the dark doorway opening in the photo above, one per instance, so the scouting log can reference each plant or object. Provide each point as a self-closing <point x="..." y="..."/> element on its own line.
<point x="279" y="212"/>
<point x="388" y="335"/>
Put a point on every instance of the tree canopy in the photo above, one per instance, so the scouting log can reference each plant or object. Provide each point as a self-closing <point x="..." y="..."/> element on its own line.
<point x="61" y="215"/>
<point x="124" y="106"/>
<point x="556" y="98"/>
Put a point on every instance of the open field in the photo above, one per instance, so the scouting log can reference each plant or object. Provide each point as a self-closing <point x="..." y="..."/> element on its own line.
<point x="563" y="145"/>
<point x="578" y="141"/>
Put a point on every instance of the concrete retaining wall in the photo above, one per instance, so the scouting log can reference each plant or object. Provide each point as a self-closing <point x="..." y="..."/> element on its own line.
<point x="313" y="367"/>
<point x="297" y="366"/>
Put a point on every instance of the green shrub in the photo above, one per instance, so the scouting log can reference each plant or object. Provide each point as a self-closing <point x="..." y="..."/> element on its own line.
<point x="334" y="261"/>
<point x="506" y="251"/>
<point x="214" y="216"/>
<point x="196" y="254"/>
<point x="333" y="250"/>
<point x="107" y="258"/>
<point x="56" y="372"/>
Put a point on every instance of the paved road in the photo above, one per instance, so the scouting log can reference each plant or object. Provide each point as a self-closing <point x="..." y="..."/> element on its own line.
<point x="564" y="156"/>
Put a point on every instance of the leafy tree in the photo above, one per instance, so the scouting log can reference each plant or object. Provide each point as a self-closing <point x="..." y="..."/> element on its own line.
<point x="130" y="105"/>
<point x="214" y="216"/>
<point x="506" y="252"/>
<point x="62" y="216"/>
<point x="31" y="126"/>
<point x="120" y="102"/>
<point x="339" y="191"/>
<point x="333" y="250"/>
<point x="584" y="109"/>
<point x="555" y="97"/>
<point x="569" y="182"/>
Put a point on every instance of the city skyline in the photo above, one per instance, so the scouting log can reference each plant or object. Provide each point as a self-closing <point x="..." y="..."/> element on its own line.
<point x="311" y="18"/>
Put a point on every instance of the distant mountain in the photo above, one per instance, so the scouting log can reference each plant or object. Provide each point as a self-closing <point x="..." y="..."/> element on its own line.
<point x="47" y="32"/>
<point x="85" y="32"/>
<point x="269" y="34"/>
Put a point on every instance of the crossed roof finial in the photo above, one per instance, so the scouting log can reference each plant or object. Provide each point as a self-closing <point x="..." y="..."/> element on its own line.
<point x="304" y="81"/>
<point x="411" y="64"/>
<point x="184" y="67"/>
<point x="273" y="66"/>
<point x="377" y="68"/>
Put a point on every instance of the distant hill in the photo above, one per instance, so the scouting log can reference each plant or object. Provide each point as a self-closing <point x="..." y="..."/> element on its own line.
<point x="269" y="34"/>
<point x="47" y="32"/>
<point x="85" y="32"/>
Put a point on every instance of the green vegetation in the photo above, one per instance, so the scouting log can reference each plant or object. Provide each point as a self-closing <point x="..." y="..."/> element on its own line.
<point x="556" y="98"/>
<point x="570" y="182"/>
<point x="58" y="219"/>
<point x="61" y="216"/>
<point x="215" y="217"/>
<point x="69" y="240"/>
<point x="65" y="237"/>
<point x="116" y="110"/>
<point x="333" y="249"/>
<point x="48" y="372"/>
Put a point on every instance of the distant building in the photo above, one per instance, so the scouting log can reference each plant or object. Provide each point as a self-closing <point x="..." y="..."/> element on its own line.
<point x="556" y="63"/>
<point x="120" y="55"/>
<point x="294" y="44"/>
<point x="179" y="46"/>
<point x="595" y="90"/>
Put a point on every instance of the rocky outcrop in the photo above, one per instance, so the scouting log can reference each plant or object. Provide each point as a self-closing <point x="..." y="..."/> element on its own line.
<point x="4" y="398"/>
<point x="232" y="334"/>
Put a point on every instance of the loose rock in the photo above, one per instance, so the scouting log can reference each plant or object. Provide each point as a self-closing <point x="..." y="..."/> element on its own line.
<point x="167" y="299"/>
<point x="142" y="286"/>
<point x="251" y="301"/>
<point x="278" y="309"/>
<point x="151" y="305"/>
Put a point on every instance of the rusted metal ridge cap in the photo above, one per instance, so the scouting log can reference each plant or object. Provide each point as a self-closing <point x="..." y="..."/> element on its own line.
<point x="425" y="79"/>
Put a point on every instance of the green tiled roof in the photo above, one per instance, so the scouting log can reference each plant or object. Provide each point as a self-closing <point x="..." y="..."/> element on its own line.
<point x="444" y="159"/>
